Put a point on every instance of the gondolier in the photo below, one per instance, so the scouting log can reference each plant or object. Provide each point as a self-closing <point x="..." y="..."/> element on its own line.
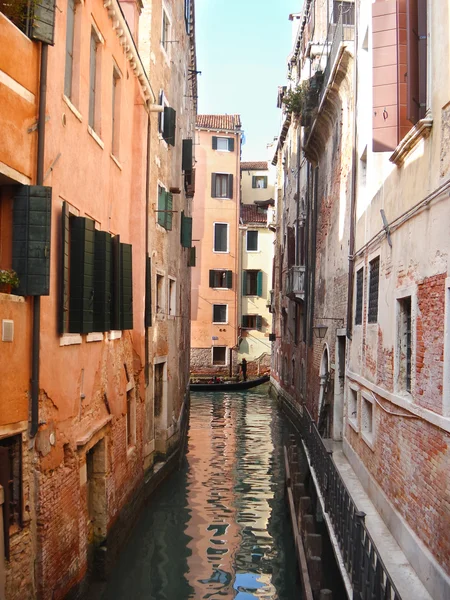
<point x="244" y="369"/>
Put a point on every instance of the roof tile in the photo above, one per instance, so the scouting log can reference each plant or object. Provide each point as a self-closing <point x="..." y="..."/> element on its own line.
<point x="254" y="166"/>
<point x="221" y="122"/>
<point x="252" y="214"/>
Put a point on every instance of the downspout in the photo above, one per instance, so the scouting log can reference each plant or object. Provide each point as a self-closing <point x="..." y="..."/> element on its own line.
<point x="35" y="352"/>
<point x="351" y="249"/>
<point x="147" y="208"/>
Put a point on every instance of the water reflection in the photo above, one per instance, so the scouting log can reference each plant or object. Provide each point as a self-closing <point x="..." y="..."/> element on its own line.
<point x="218" y="528"/>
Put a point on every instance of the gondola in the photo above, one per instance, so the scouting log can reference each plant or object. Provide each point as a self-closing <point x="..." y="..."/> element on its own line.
<point x="229" y="386"/>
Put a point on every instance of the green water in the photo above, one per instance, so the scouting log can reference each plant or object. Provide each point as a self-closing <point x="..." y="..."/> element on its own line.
<point x="218" y="528"/>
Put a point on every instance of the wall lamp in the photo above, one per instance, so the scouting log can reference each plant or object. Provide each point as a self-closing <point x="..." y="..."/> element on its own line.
<point x="320" y="330"/>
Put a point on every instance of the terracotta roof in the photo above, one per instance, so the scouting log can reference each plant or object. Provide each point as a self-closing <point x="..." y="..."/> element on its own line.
<point x="221" y="122"/>
<point x="252" y="214"/>
<point x="254" y="166"/>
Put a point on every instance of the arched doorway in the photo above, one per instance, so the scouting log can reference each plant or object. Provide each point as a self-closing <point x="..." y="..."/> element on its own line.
<point x="325" y="394"/>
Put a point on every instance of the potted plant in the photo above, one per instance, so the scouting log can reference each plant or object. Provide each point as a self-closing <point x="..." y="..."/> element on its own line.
<point x="8" y="280"/>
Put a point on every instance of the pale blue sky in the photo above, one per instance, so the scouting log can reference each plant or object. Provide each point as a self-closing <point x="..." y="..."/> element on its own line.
<point x="242" y="50"/>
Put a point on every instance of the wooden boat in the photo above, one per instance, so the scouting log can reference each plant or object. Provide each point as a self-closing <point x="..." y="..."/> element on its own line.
<point x="228" y="386"/>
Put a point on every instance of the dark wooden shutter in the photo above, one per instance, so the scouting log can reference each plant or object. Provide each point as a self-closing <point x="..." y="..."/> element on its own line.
<point x="168" y="213"/>
<point x="126" y="320"/>
<point x="189" y="183"/>
<point x="5" y="477"/>
<point x="92" y="78"/>
<point x="245" y="321"/>
<point x="102" y="281"/>
<point x="231" y="144"/>
<point x="43" y="21"/>
<point x="230" y="186"/>
<point x="70" y="29"/>
<point x="244" y="283"/>
<point x="374" y="280"/>
<point x="116" y="296"/>
<point x="186" y="159"/>
<point x="65" y="257"/>
<point x="211" y="278"/>
<point x="186" y="231"/>
<point x="32" y="211"/>
<point x="359" y="296"/>
<point x="254" y="181"/>
<point x="423" y="59"/>
<point x="259" y="322"/>
<point x="265" y="181"/>
<point x="81" y="304"/>
<point x="229" y="279"/>
<point x="413" y="61"/>
<point x="170" y="118"/>
<point x="148" y="292"/>
<point x="161" y="206"/>
<point x="385" y="75"/>
<point x="192" y="257"/>
<point x="214" y="142"/>
<point x="259" y="283"/>
<point x="213" y="185"/>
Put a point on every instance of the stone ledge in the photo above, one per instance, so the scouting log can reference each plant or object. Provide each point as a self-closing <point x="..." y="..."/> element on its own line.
<point x="421" y="130"/>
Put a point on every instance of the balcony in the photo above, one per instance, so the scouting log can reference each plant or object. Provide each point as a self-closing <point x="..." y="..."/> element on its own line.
<point x="295" y="283"/>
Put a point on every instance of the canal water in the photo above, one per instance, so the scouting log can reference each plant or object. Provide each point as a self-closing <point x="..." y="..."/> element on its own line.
<point x="219" y="527"/>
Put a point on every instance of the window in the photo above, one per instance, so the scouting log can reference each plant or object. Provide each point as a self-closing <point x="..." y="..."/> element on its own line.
<point x="374" y="276"/>
<point x="38" y="24"/>
<point x="160" y="300"/>
<point x="221" y="185"/>
<point x="252" y="283"/>
<point x="186" y="231"/>
<point x="11" y="481"/>
<point x="352" y="407"/>
<point x="167" y="120"/>
<point x="252" y="241"/>
<point x="160" y="386"/>
<point x="252" y="322"/>
<point x="70" y="34"/>
<point x="219" y="355"/>
<point x="220" y="237"/>
<point x="225" y="144"/>
<point x="259" y="181"/>
<point x="131" y="417"/>
<point x="359" y="296"/>
<point x="115" y="126"/>
<point x="94" y="80"/>
<point x="347" y="9"/>
<point x="220" y="313"/>
<point x="165" y="31"/>
<point x="367" y="424"/>
<point x="165" y="206"/>
<point x="220" y="279"/>
<point x="405" y="343"/>
<point x="187" y="16"/>
<point x="172" y="297"/>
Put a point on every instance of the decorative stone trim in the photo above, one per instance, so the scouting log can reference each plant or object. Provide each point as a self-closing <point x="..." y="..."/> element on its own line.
<point x="421" y="130"/>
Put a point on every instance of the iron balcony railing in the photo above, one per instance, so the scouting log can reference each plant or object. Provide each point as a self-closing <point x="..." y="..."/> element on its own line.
<point x="368" y="574"/>
<point x="295" y="282"/>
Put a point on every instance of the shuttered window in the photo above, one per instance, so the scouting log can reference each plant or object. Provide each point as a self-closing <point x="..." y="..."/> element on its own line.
<point x="70" y="30"/>
<point x="31" y="235"/>
<point x="252" y="322"/>
<point x="225" y="144"/>
<point x="148" y="292"/>
<point x="220" y="278"/>
<point x="220" y="237"/>
<point x="221" y="185"/>
<point x="416" y="30"/>
<point x="259" y="181"/>
<point x="187" y="16"/>
<point x="189" y="183"/>
<point x="374" y="278"/>
<point x="252" y="241"/>
<point x="102" y="281"/>
<point x="192" y="261"/>
<point x="186" y="156"/>
<point x="252" y="283"/>
<point x="121" y="285"/>
<point x="169" y="129"/>
<point x="81" y="303"/>
<point x="165" y="207"/>
<point x="93" y="117"/>
<point x="186" y="231"/>
<point x="359" y="296"/>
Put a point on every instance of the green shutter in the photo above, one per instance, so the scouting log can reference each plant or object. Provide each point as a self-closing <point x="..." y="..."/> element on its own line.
<point x="259" y="322"/>
<point x="186" y="157"/>
<point x="214" y="142"/>
<point x="229" y="279"/>
<point x="259" y="283"/>
<point x="116" y="296"/>
<point x="81" y="304"/>
<point x="168" y="213"/>
<point x="265" y="182"/>
<point x="213" y="185"/>
<point x="148" y="292"/>
<point x="230" y="186"/>
<point x="192" y="257"/>
<point x="231" y="144"/>
<point x="245" y="321"/>
<point x="126" y="258"/>
<point x="65" y="258"/>
<point x="211" y="278"/>
<point x="102" y="281"/>
<point x="244" y="283"/>
<point x="170" y="118"/>
<point x="31" y="234"/>
<point x="161" y="206"/>
<point x="186" y="231"/>
<point x="43" y="21"/>
<point x="254" y="181"/>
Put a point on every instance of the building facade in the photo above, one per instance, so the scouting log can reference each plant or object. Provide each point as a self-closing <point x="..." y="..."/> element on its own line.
<point x="361" y="274"/>
<point x="94" y="207"/>
<point x="256" y="246"/>
<point x="214" y="300"/>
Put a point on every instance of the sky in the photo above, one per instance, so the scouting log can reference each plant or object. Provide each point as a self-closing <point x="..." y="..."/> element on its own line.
<point x="242" y="51"/>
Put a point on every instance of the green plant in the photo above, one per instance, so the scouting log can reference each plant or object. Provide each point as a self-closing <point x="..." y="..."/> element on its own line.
<point x="9" y="277"/>
<point x="295" y="99"/>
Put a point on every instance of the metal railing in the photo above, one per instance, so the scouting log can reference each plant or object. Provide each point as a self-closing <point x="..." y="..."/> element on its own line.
<point x="368" y="574"/>
<point x="295" y="281"/>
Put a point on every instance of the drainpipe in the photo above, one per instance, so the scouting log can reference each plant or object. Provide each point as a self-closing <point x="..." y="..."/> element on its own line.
<point x="351" y="249"/>
<point x="35" y="356"/>
<point x="147" y="207"/>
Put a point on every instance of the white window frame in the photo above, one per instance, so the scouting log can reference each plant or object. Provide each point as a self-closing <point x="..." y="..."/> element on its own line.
<point x="367" y="436"/>
<point x="160" y="314"/>
<point x="226" y="314"/>
<point x="228" y="144"/>
<point x="257" y="240"/>
<point x="226" y="356"/>
<point x="264" y="180"/>
<point x="227" y="251"/>
<point x="166" y="50"/>
<point x="172" y="297"/>
<point x="353" y="421"/>
<point x="227" y="197"/>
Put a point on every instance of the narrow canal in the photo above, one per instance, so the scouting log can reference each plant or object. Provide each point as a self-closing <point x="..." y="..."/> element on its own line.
<point x="219" y="527"/>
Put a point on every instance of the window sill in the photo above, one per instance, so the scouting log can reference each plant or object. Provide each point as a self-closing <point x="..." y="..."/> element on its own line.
<point x="70" y="339"/>
<point x="220" y="323"/>
<point x="221" y="251"/>
<point x="114" y="335"/>
<point x="12" y="297"/>
<point x="96" y="137"/>
<point x="164" y="143"/>
<point x="115" y="161"/>
<point x="73" y="108"/>
<point x="353" y="424"/>
<point x="96" y="336"/>
<point x="421" y="130"/>
<point x="368" y="438"/>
